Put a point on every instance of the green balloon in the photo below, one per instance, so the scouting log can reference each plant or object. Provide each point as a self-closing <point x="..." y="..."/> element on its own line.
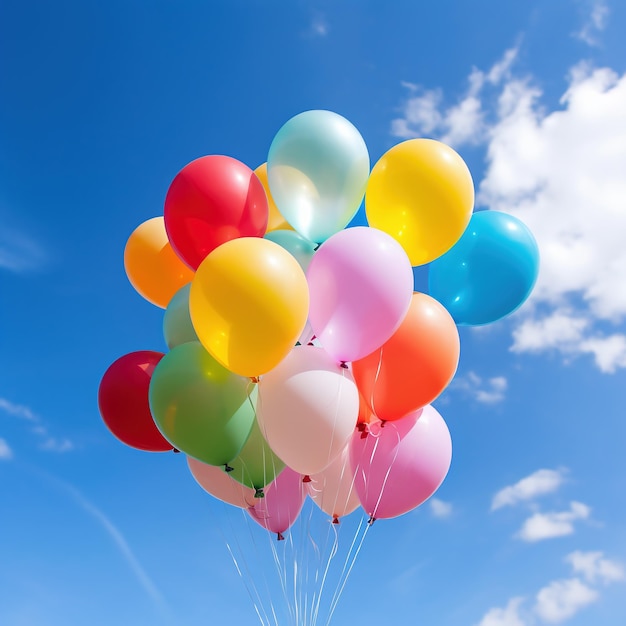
<point x="256" y="465"/>
<point x="177" y="326"/>
<point x="199" y="406"/>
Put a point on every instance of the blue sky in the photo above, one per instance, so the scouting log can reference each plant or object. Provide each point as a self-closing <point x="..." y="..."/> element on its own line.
<point x="102" y="103"/>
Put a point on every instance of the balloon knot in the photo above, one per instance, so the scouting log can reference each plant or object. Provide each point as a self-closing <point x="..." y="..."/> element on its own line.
<point x="228" y="468"/>
<point x="382" y="423"/>
<point x="259" y="493"/>
<point x="298" y="343"/>
<point x="306" y="478"/>
<point x="254" y="379"/>
<point x="335" y="519"/>
<point x="344" y="365"/>
<point x="175" y="451"/>
<point x="363" y="429"/>
<point x="280" y="537"/>
<point x="371" y="520"/>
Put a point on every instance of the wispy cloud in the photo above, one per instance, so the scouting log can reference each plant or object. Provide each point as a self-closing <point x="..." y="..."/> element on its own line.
<point x="486" y="391"/>
<point x="537" y="172"/>
<point x="561" y="599"/>
<point x="540" y="526"/>
<point x="6" y="454"/>
<point x="537" y="484"/>
<point x="440" y="509"/>
<point x="36" y="426"/>
<point x="596" y="16"/>
<point x="19" y="253"/>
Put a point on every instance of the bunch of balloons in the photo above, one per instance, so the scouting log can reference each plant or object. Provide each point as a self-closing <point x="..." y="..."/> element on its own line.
<point x="300" y="360"/>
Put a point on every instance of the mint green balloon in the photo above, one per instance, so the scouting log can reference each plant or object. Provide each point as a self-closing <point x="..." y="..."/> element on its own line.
<point x="317" y="169"/>
<point x="256" y="465"/>
<point x="298" y="246"/>
<point x="177" y="326"/>
<point x="200" y="407"/>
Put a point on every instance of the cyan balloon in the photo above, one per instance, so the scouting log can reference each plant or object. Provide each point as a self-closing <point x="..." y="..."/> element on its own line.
<point x="318" y="166"/>
<point x="177" y="326"/>
<point x="297" y="245"/>
<point x="489" y="272"/>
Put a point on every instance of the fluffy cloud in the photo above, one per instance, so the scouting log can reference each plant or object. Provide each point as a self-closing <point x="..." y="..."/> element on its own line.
<point x="439" y="508"/>
<point x="594" y="567"/>
<point x="487" y="391"/>
<point x="539" y="483"/>
<point x="562" y="173"/>
<point x="508" y="616"/>
<point x="595" y="21"/>
<point x="561" y="599"/>
<point x="542" y="526"/>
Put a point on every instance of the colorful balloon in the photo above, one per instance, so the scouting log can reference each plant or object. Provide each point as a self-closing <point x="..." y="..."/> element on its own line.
<point x="302" y="249"/>
<point x="212" y="200"/>
<point x="177" y="326"/>
<point x="152" y="266"/>
<point x="361" y="283"/>
<point x="333" y="490"/>
<point x="215" y="481"/>
<point x="399" y="465"/>
<point x="307" y="409"/>
<point x="489" y="273"/>
<point x="421" y="192"/>
<point x="282" y="503"/>
<point x="123" y="401"/>
<point x="414" y="365"/>
<point x="256" y="465"/>
<point x="317" y="167"/>
<point x="275" y="220"/>
<point x="249" y="302"/>
<point x="200" y="407"/>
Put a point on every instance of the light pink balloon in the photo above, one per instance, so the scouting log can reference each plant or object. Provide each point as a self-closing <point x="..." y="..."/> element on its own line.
<point x="333" y="488"/>
<point x="400" y="464"/>
<point x="282" y="503"/>
<point x="307" y="409"/>
<point x="218" y="483"/>
<point x="360" y="283"/>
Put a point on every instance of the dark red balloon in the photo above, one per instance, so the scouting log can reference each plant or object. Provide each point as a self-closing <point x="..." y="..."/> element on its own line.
<point x="212" y="200"/>
<point x="123" y="401"/>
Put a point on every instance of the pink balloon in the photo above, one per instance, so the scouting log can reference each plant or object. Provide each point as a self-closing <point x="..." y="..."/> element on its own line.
<point x="361" y="283"/>
<point x="333" y="488"/>
<point x="282" y="503"/>
<point x="400" y="464"/>
<point x="218" y="483"/>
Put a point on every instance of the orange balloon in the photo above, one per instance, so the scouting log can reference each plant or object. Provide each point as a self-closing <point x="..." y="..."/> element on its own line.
<point x="152" y="266"/>
<point x="275" y="220"/>
<point x="414" y="366"/>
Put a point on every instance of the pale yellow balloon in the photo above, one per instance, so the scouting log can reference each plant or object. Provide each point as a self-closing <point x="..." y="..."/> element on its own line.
<point x="421" y="193"/>
<point x="249" y="303"/>
<point x="275" y="220"/>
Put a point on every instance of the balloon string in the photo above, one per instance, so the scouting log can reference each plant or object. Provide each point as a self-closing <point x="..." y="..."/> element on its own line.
<point x="333" y="553"/>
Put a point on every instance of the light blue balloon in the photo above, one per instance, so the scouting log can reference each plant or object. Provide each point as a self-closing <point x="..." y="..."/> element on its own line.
<point x="317" y="170"/>
<point x="489" y="272"/>
<point x="177" y="326"/>
<point x="299" y="247"/>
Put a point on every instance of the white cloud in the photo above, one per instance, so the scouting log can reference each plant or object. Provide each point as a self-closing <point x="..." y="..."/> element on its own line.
<point x="542" y="526"/>
<point x="17" y="410"/>
<point x="52" y="444"/>
<point x="489" y="391"/>
<point x="562" y="599"/>
<point x="539" y="483"/>
<point x="6" y="453"/>
<point x="595" y="21"/>
<point x="18" y="253"/>
<point x="508" y="616"/>
<point x="440" y="509"/>
<point x="595" y="567"/>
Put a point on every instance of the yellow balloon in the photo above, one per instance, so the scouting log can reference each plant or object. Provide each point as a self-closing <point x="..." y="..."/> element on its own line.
<point x="152" y="266"/>
<point x="249" y="303"/>
<point x="275" y="219"/>
<point x="421" y="193"/>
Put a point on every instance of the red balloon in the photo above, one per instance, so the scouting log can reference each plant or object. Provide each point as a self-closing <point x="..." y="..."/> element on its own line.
<point x="123" y="401"/>
<point x="212" y="200"/>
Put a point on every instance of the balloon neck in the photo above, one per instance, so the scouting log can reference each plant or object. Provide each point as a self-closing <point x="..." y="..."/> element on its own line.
<point x="228" y="468"/>
<point x="259" y="493"/>
<point x="298" y="343"/>
<point x="335" y="519"/>
<point x="306" y="478"/>
<point x="344" y="365"/>
<point x="371" y="520"/>
<point x="363" y="429"/>
<point x="175" y="451"/>
<point x="280" y="537"/>
<point x="382" y="423"/>
<point x="254" y="379"/>
<point x="311" y="341"/>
